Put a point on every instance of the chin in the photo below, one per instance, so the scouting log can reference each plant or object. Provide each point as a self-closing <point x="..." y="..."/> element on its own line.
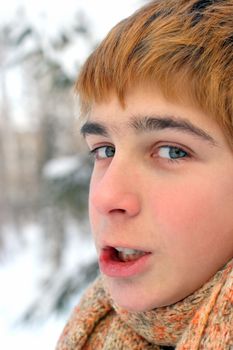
<point x="132" y="305"/>
<point x="131" y="298"/>
<point x="136" y="304"/>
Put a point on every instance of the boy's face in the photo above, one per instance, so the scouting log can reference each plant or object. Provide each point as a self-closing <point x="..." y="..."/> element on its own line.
<point x="162" y="184"/>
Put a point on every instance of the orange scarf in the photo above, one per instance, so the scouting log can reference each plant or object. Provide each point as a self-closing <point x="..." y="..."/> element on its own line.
<point x="201" y="321"/>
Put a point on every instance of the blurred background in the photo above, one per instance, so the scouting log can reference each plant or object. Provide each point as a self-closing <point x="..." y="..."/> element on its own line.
<point x="47" y="257"/>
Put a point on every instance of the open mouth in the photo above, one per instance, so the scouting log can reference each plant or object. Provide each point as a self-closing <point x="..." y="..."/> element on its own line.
<point x="124" y="254"/>
<point x="123" y="262"/>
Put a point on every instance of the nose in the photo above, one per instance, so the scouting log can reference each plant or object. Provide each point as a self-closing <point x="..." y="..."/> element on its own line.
<point x="116" y="191"/>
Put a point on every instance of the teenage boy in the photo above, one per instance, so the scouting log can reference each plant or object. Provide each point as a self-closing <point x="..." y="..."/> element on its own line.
<point x="157" y="104"/>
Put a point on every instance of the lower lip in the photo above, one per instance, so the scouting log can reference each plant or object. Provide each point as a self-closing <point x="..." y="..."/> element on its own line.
<point x="112" y="267"/>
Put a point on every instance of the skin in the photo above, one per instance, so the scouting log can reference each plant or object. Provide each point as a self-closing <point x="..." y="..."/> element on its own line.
<point x="141" y="197"/>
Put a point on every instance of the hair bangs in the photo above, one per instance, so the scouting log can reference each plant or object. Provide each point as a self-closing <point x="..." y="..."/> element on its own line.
<point x="185" y="50"/>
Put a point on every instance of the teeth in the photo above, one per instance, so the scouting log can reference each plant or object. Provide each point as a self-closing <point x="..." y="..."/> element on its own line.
<point x="125" y="254"/>
<point x="126" y="250"/>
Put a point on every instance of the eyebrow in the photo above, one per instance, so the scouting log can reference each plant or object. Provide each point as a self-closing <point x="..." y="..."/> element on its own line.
<point x="151" y="123"/>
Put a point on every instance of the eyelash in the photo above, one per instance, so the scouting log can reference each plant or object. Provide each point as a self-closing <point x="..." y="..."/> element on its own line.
<point x="177" y="148"/>
<point x="94" y="152"/>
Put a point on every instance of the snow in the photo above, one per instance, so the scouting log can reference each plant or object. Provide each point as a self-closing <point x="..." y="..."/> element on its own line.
<point x="21" y="265"/>
<point x="48" y="21"/>
<point x="14" y="275"/>
<point x="20" y="270"/>
<point x="61" y="167"/>
<point x="49" y="18"/>
<point x="36" y="337"/>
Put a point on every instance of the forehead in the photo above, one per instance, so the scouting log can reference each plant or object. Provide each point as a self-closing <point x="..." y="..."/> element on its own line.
<point x="141" y="101"/>
<point x="147" y="109"/>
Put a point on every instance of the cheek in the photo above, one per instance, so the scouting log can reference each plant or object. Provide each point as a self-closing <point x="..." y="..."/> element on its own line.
<point x="95" y="222"/>
<point x="92" y="212"/>
<point x="195" y="211"/>
<point x="96" y="219"/>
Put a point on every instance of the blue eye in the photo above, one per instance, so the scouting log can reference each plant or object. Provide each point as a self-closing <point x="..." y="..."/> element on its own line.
<point x="103" y="152"/>
<point x="172" y="152"/>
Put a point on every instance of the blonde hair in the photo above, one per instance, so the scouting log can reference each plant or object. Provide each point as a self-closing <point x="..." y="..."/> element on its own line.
<point x="179" y="45"/>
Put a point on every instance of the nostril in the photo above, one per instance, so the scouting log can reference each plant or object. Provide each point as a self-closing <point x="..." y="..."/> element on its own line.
<point x="120" y="211"/>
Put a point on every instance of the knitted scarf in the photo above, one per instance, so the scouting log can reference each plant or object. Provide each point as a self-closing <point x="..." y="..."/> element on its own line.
<point x="203" y="320"/>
